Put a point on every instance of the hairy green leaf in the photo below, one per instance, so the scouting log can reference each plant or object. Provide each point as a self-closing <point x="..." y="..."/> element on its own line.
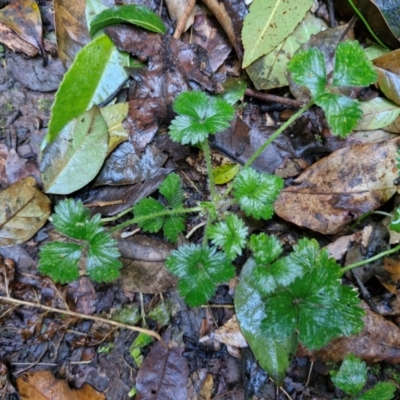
<point x="265" y="249"/>
<point x="149" y="206"/>
<point x="307" y="68"/>
<point x="343" y="114"/>
<point x="98" y="70"/>
<point x="129" y="14"/>
<point x="199" y="115"/>
<point x="199" y="269"/>
<point x="352" y="68"/>
<point x="76" y="156"/>
<point x="172" y="190"/>
<point x="352" y="375"/>
<point x="273" y="355"/>
<point x="59" y="260"/>
<point x="381" y="391"/>
<point x="230" y="234"/>
<point x="268" y="24"/>
<point x="316" y="305"/>
<point x="173" y="226"/>
<point x="256" y="192"/>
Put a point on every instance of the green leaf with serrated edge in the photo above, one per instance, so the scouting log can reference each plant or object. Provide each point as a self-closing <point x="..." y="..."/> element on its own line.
<point x="172" y="190"/>
<point x="149" y="206"/>
<point x="199" y="115"/>
<point x="234" y="89"/>
<point x="307" y="68"/>
<point x="256" y="192"/>
<point x="72" y="219"/>
<point x="225" y="173"/>
<point x="352" y="375"/>
<point x="377" y="114"/>
<point x="320" y="306"/>
<point x="268" y="23"/>
<point x="352" y="68"/>
<point x="395" y="224"/>
<point x="230" y="234"/>
<point x="59" y="260"/>
<point x="265" y="248"/>
<point x="343" y="114"/>
<point x="173" y="226"/>
<point x="97" y="72"/>
<point x="199" y="270"/>
<point x="306" y="252"/>
<point x="102" y="264"/>
<point x="381" y="391"/>
<point x="128" y="14"/>
<point x="76" y="156"/>
<point x="273" y="355"/>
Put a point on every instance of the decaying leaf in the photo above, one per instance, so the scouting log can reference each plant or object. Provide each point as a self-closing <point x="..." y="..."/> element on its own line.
<point x="24" y="210"/>
<point x="71" y="28"/>
<point x="23" y="17"/>
<point x="143" y="265"/>
<point x="42" y="385"/>
<point x="378" y="341"/>
<point x="339" y="188"/>
<point x="164" y="372"/>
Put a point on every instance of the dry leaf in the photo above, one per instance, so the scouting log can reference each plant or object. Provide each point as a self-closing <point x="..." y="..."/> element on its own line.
<point x="23" y="17"/>
<point x="42" y="385"/>
<point x="230" y="334"/>
<point x="339" y="188"/>
<point x="24" y="210"/>
<point x="378" y="341"/>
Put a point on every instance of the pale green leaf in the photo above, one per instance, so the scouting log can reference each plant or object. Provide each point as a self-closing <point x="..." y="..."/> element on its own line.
<point x="342" y="113"/>
<point x="173" y="226"/>
<point x="268" y="24"/>
<point x="307" y="68"/>
<point x="93" y="8"/>
<point x="76" y="156"/>
<point x="225" y="173"/>
<point x="234" y="89"/>
<point x="128" y="14"/>
<point x="381" y="391"/>
<point x="270" y="71"/>
<point x="352" y="375"/>
<point x="98" y="70"/>
<point x="172" y="190"/>
<point x="147" y="207"/>
<point x="352" y="68"/>
<point x="230" y="234"/>
<point x="273" y="355"/>
<point x="265" y="248"/>
<point x="377" y="114"/>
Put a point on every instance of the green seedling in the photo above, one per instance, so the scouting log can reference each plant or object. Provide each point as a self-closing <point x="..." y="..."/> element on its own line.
<point x="352" y="377"/>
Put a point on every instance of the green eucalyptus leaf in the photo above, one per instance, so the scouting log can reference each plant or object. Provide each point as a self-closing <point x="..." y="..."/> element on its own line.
<point x="256" y="192"/>
<point x="128" y="14"/>
<point x="97" y="72"/>
<point x="352" y="68"/>
<point x="352" y="375"/>
<point x="59" y="260"/>
<point x="268" y="23"/>
<point x="199" y="269"/>
<point x="76" y="156"/>
<point x="342" y="113"/>
<point x="307" y="68"/>
<point x="273" y="355"/>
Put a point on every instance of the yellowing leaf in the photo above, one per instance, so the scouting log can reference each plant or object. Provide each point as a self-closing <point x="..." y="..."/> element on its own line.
<point x="23" y="17"/>
<point x="377" y="114"/>
<point x="268" y="24"/>
<point x="269" y="71"/>
<point x="225" y="173"/>
<point x="24" y="210"/>
<point x="76" y="156"/>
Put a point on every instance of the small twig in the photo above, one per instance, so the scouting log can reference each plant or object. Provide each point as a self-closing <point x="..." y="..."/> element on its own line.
<point x="180" y="26"/>
<point x="272" y="97"/>
<point x="83" y="316"/>
<point x="309" y="373"/>
<point x="194" y="229"/>
<point x="331" y="12"/>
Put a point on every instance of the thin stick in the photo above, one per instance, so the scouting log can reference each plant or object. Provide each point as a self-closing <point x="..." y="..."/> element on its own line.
<point x="180" y="26"/>
<point x="273" y="98"/>
<point x="83" y="316"/>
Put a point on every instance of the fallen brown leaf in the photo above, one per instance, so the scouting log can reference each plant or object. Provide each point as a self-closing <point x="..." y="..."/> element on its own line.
<point x="339" y="188"/>
<point x="24" y="210"/>
<point x="42" y="385"/>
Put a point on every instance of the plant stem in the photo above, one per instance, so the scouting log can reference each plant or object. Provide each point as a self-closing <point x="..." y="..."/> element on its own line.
<point x="278" y="132"/>
<point x="207" y="155"/>
<point x="368" y="260"/>
<point x="156" y="215"/>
